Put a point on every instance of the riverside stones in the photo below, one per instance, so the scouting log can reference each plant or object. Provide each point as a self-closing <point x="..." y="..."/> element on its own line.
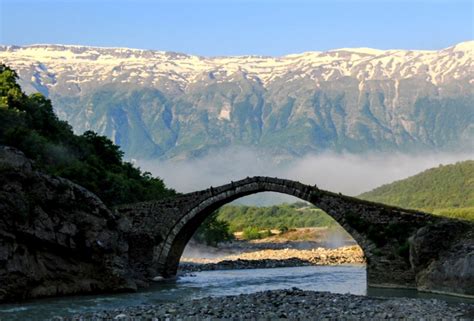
<point x="276" y="258"/>
<point x="292" y="304"/>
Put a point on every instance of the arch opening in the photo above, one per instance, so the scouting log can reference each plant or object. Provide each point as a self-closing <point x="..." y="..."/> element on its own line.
<point x="268" y="230"/>
<point x="196" y="215"/>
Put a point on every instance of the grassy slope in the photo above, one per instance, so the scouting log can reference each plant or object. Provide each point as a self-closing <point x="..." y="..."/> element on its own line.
<point x="447" y="190"/>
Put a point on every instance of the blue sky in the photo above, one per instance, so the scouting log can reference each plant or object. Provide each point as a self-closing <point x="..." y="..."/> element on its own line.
<point x="239" y="27"/>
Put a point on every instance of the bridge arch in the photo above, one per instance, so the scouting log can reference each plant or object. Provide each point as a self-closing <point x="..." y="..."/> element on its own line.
<point x="401" y="246"/>
<point x="206" y="203"/>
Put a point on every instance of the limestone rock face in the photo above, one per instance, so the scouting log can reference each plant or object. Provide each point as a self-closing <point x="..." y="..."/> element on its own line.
<point x="56" y="237"/>
<point x="443" y="258"/>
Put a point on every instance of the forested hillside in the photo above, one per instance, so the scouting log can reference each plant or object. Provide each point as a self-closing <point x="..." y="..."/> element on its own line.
<point x="29" y="124"/>
<point x="447" y="190"/>
<point x="293" y="215"/>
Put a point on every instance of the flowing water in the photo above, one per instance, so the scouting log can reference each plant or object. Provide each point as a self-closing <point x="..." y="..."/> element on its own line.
<point x="338" y="279"/>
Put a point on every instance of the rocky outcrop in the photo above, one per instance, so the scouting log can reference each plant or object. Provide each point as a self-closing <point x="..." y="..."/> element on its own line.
<point x="56" y="237"/>
<point x="442" y="256"/>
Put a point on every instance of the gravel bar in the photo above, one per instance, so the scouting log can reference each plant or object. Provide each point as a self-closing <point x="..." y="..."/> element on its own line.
<point x="291" y="304"/>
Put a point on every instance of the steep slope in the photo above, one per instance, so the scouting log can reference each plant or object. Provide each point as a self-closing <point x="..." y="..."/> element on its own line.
<point x="92" y="161"/>
<point x="170" y="105"/>
<point x="446" y="186"/>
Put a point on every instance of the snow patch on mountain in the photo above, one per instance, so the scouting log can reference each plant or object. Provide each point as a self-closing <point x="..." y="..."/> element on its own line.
<point x="82" y="65"/>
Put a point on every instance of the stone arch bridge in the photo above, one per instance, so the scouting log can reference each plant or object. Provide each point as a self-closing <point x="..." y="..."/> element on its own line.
<point x="403" y="248"/>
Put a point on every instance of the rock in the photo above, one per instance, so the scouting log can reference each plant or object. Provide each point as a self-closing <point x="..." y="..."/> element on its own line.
<point x="443" y="257"/>
<point x="56" y="237"/>
<point x="120" y="316"/>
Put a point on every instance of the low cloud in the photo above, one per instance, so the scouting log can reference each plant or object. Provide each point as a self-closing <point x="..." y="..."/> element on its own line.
<point x="349" y="174"/>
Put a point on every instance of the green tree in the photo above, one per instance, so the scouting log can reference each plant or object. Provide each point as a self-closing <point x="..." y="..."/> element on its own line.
<point x="213" y="231"/>
<point x="93" y="161"/>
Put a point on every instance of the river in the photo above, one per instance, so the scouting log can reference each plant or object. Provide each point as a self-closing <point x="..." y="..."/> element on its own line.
<point x="337" y="279"/>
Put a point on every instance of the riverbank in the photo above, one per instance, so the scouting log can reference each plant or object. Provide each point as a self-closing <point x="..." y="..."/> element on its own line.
<point x="291" y="304"/>
<point x="297" y="247"/>
<point x="275" y="258"/>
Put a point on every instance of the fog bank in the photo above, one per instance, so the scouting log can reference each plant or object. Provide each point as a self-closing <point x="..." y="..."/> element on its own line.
<point x="345" y="173"/>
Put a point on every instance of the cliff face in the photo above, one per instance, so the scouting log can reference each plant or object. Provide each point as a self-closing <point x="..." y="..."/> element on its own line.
<point x="56" y="237"/>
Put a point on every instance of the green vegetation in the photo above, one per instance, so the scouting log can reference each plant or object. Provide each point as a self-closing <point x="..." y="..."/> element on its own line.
<point x="251" y="233"/>
<point x="282" y="217"/>
<point x="466" y="213"/>
<point x="29" y="124"/>
<point x="446" y="190"/>
<point x="212" y="231"/>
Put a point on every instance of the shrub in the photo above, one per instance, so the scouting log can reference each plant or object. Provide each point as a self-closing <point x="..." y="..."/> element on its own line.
<point x="283" y="229"/>
<point x="251" y="233"/>
<point x="290" y="216"/>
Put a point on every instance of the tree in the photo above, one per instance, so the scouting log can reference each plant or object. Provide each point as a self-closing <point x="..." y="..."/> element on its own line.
<point x="10" y="92"/>
<point x="93" y="161"/>
<point x="213" y="231"/>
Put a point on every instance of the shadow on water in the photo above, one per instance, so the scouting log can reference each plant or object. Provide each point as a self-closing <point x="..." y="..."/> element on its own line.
<point x="411" y="293"/>
<point x="337" y="279"/>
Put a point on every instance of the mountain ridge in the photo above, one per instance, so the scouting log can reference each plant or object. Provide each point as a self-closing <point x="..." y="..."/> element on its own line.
<point x="254" y="65"/>
<point x="465" y="45"/>
<point x="158" y="104"/>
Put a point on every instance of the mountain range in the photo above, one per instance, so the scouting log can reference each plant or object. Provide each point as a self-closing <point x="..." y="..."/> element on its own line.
<point x="168" y="105"/>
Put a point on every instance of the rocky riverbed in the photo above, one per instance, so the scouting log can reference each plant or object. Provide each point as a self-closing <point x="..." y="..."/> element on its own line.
<point x="291" y="304"/>
<point x="276" y="258"/>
